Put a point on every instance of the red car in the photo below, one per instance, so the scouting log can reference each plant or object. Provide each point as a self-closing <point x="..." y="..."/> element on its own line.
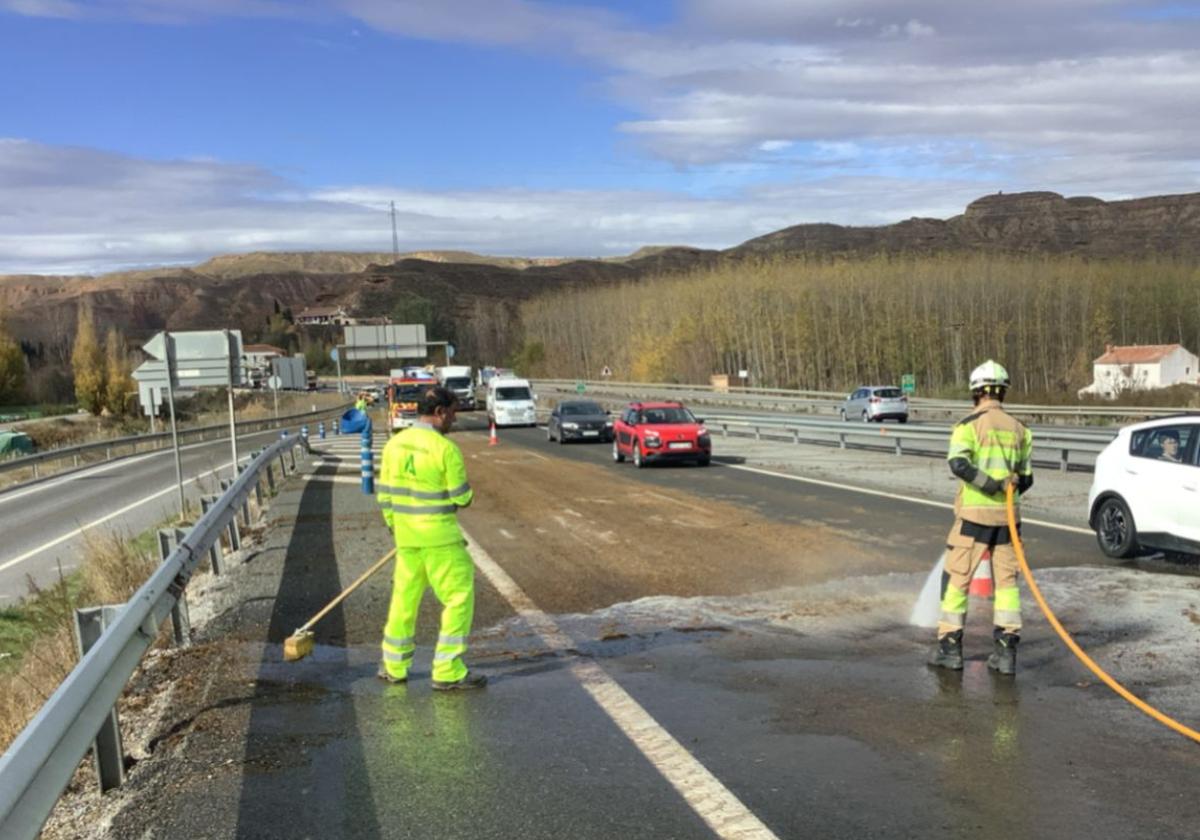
<point x="660" y="431"/>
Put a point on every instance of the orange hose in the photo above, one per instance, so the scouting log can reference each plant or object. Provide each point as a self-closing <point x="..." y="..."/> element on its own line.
<point x="1071" y="644"/>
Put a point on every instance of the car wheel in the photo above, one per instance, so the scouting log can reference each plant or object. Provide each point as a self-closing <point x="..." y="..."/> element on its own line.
<point x="904" y="418"/>
<point x="705" y="461"/>
<point x="1115" y="531"/>
<point x="866" y="418"/>
<point x="617" y="456"/>
<point x="637" y="456"/>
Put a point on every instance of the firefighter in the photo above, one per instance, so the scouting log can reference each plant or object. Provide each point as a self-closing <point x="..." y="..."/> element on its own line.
<point x="422" y="485"/>
<point x="988" y="450"/>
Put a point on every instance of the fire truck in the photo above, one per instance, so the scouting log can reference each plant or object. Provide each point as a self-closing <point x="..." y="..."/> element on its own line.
<point x="404" y="389"/>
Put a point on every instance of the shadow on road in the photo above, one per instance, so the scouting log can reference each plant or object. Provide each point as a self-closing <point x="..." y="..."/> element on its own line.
<point x="304" y="771"/>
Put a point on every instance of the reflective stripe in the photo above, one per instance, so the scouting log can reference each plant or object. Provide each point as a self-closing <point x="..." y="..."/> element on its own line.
<point x="394" y="642"/>
<point x="1006" y="618"/>
<point x="955" y="619"/>
<point x="418" y="511"/>
<point x="1008" y="598"/>
<point x="399" y="657"/>
<point x="446" y="657"/>
<point x="452" y="640"/>
<point x="432" y="495"/>
<point x="459" y="490"/>
<point x="954" y="600"/>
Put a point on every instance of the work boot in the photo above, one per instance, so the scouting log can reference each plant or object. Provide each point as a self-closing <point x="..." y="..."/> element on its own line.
<point x="467" y="683"/>
<point x="948" y="652"/>
<point x="383" y="674"/>
<point x="1004" y="657"/>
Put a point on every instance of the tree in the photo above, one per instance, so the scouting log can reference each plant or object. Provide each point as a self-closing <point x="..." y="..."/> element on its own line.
<point x="118" y="383"/>
<point x="87" y="365"/>
<point x="12" y="369"/>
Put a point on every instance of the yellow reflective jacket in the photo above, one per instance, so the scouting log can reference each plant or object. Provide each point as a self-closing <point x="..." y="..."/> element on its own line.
<point x="422" y="484"/>
<point x="994" y="446"/>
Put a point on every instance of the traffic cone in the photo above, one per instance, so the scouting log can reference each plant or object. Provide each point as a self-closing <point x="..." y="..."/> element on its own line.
<point x="982" y="585"/>
<point x="492" y="441"/>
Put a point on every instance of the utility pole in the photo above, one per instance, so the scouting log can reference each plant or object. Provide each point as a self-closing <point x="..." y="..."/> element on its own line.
<point x="395" y="236"/>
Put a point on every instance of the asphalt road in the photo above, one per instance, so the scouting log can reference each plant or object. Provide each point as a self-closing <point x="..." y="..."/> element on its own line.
<point x="673" y="652"/>
<point x="46" y="525"/>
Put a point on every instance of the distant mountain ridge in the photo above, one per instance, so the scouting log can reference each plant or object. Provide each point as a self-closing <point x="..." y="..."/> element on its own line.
<point x="242" y="290"/>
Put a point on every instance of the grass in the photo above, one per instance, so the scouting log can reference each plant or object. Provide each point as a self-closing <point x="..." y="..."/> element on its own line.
<point x="37" y="644"/>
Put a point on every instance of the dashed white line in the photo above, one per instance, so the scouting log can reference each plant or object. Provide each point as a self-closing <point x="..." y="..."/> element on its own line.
<point x="712" y="801"/>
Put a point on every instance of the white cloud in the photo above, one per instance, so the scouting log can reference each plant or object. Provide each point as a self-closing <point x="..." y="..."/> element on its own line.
<point x="74" y="210"/>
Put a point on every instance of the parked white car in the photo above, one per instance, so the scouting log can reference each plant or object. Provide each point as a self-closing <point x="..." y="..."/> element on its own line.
<point x="1146" y="489"/>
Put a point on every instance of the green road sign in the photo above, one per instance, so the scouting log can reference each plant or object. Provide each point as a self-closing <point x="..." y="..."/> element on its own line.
<point x="908" y="383"/>
<point x="580" y="387"/>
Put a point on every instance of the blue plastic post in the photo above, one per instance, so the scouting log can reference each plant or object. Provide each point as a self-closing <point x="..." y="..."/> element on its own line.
<point x="304" y="432"/>
<point x="282" y="434"/>
<point x="321" y="430"/>
<point x="368" y="462"/>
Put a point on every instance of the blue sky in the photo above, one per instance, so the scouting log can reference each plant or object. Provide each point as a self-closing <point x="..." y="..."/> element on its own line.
<point x="144" y="132"/>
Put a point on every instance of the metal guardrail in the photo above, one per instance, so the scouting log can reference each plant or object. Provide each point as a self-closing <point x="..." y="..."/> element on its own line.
<point x="829" y="402"/>
<point x="113" y="445"/>
<point x="1050" y="446"/>
<point x="36" y="769"/>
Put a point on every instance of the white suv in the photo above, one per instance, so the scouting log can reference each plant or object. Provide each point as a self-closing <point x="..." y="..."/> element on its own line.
<point x="1146" y="489"/>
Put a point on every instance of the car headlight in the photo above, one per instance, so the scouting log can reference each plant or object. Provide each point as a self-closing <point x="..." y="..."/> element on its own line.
<point x="652" y="439"/>
<point x="570" y="425"/>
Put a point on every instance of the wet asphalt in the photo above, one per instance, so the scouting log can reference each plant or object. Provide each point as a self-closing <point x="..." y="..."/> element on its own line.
<point x="843" y="734"/>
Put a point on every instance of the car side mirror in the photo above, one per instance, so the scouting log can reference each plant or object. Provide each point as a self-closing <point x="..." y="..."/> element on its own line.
<point x="700" y="420"/>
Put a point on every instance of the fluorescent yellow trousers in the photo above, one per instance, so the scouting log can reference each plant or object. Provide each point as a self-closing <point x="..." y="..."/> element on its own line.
<point x="447" y="570"/>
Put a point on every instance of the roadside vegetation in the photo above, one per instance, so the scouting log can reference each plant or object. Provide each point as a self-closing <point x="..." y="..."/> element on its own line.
<point x="830" y="324"/>
<point x="37" y="644"/>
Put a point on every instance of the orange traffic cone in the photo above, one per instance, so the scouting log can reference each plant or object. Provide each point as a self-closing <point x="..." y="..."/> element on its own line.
<point x="492" y="441"/>
<point x="982" y="585"/>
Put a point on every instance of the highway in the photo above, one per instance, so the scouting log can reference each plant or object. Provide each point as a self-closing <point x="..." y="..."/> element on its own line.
<point x="673" y="652"/>
<point x="46" y="524"/>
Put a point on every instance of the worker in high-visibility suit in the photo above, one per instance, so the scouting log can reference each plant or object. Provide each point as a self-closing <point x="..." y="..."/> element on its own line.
<point x="422" y="485"/>
<point x="988" y="450"/>
<point x="361" y="402"/>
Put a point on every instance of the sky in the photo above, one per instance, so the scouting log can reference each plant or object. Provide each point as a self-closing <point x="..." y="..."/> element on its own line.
<point x="137" y="133"/>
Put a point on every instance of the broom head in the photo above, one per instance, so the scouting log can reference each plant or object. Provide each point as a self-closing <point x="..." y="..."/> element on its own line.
<point x="298" y="645"/>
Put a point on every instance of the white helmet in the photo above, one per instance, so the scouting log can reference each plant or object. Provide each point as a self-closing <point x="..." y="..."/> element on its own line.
<point x="989" y="374"/>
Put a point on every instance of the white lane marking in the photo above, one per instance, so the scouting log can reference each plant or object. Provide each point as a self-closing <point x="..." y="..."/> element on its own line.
<point x="712" y="801"/>
<point x="101" y="468"/>
<point x="59" y="540"/>
<point x="506" y="534"/>
<point x="1041" y="523"/>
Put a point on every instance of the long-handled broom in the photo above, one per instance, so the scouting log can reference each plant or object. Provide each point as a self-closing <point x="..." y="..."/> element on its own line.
<point x="300" y="644"/>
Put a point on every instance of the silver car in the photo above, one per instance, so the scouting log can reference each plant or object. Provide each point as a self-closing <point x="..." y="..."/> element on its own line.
<point x="876" y="402"/>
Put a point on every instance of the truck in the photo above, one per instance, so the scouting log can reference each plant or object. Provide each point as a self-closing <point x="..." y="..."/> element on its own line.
<point x="458" y="378"/>
<point x="291" y="372"/>
<point x="404" y="389"/>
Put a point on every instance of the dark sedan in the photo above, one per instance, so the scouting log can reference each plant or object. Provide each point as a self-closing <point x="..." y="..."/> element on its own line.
<point x="579" y="420"/>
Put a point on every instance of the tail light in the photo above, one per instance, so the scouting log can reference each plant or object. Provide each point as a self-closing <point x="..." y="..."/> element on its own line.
<point x="876" y="400"/>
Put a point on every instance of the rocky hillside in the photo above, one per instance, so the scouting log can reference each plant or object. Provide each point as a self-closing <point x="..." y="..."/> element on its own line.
<point x="1033" y="222"/>
<point x="480" y="294"/>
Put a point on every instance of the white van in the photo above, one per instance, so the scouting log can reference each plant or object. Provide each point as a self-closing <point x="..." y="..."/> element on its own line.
<point x="510" y="402"/>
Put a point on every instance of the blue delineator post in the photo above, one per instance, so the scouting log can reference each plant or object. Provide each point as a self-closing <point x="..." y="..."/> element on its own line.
<point x="368" y="462"/>
<point x="321" y="430"/>
<point x="282" y="434"/>
<point x="304" y="432"/>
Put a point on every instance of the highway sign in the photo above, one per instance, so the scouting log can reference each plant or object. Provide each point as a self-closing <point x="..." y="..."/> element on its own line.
<point x="580" y="387"/>
<point x="195" y="359"/>
<point x="908" y="383"/>
<point x="274" y="383"/>
<point x="386" y="341"/>
<point x="333" y="354"/>
<point x="450" y="351"/>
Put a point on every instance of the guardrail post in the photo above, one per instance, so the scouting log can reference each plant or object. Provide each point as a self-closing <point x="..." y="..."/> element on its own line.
<point x="368" y="461"/>
<point x="245" y="502"/>
<point x="291" y="454"/>
<point x="725" y="429"/>
<point x="271" y="477"/>
<point x="108" y="453"/>
<point x="75" y="459"/>
<point x="214" y="553"/>
<point x="841" y="440"/>
<point x="899" y="450"/>
<point x="1062" y="462"/>
<point x="107" y="750"/>
<point x="795" y="435"/>
<point x="35" y="469"/>
<point x="181" y="623"/>
<point x="235" y="535"/>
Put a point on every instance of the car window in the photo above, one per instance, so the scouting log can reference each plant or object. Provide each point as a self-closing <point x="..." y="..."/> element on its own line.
<point x="887" y="393"/>
<point x="1163" y="443"/>
<point x="513" y="393"/>
<point x="669" y="414"/>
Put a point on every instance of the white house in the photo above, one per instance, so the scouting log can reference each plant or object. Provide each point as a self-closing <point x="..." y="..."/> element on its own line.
<point x="1140" y="367"/>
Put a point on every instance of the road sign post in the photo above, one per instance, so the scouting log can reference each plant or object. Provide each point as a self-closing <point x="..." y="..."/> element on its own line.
<point x="174" y="431"/>
<point x="275" y="383"/>
<point x="232" y="362"/>
<point x="337" y="359"/>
